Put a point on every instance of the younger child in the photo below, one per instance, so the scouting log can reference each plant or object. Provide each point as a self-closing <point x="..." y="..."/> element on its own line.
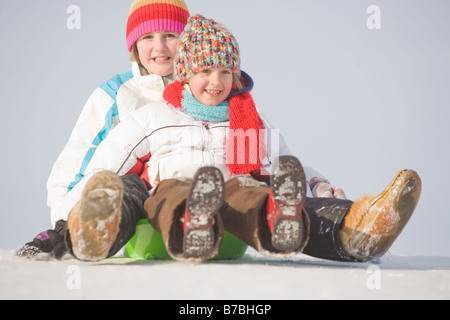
<point x="185" y="148"/>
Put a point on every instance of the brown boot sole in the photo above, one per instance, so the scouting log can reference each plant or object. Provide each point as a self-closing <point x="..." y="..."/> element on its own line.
<point x="204" y="202"/>
<point x="94" y="222"/>
<point x="374" y="224"/>
<point x="288" y="186"/>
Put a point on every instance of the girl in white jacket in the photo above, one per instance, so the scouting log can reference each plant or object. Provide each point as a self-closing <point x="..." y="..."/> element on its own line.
<point x="202" y="152"/>
<point x="153" y="29"/>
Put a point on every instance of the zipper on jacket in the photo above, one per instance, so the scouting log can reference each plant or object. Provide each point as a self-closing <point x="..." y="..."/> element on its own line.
<point x="206" y="146"/>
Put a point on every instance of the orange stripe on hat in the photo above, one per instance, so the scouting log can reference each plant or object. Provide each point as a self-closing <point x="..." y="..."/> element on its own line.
<point x="147" y="16"/>
<point x="140" y="3"/>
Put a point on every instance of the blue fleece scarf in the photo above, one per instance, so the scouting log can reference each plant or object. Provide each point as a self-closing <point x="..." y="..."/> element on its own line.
<point x="200" y="111"/>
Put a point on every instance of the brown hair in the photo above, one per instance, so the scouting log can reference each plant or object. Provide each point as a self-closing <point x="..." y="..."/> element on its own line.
<point x="135" y="55"/>
<point x="237" y="82"/>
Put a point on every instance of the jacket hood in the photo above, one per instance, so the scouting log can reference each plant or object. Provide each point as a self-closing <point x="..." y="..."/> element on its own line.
<point x="246" y="81"/>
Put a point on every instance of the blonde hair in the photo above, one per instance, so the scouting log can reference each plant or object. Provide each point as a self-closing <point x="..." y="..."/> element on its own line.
<point x="237" y="82"/>
<point x="135" y="55"/>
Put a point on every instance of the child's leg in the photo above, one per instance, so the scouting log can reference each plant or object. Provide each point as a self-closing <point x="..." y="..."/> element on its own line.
<point x="105" y="218"/>
<point x="364" y="230"/>
<point x="243" y="212"/>
<point x="326" y="216"/>
<point x="166" y="208"/>
<point x="135" y="193"/>
<point x="274" y="223"/>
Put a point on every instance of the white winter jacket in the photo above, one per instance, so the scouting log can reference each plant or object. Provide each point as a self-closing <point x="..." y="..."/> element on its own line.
<point x="109" y="104"/>
<point x="161" y="142"/>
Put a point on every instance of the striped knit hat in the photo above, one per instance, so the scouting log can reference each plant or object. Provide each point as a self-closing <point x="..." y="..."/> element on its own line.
<point x="155" y="15"/>
<point x="205" y="43"/>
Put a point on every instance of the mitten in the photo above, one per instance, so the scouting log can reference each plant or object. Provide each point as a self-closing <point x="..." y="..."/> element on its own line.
<point x="50" y="241"/>
<point x="323" y="189"/>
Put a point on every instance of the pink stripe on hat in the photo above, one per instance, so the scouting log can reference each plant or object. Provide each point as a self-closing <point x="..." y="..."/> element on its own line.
<point x="147" y="16"/>
<point x="151" y="26"/>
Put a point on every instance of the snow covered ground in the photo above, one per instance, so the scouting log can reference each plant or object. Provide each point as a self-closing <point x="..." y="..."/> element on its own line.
<point x="254" y="277"/>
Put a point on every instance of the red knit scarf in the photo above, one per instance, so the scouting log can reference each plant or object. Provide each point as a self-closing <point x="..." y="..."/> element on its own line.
<point x="245" y="123"/>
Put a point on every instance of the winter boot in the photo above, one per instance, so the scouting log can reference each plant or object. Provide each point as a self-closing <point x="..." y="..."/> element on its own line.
<point x="374" y="222"/>
<point x="202" y="205"/>
<point x="287" y="223"/>
<point x="94" y="222"/>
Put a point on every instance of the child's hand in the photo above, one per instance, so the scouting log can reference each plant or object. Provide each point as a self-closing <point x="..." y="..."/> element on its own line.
<point x="324" y="189"/>
<point x="50" y="241"/>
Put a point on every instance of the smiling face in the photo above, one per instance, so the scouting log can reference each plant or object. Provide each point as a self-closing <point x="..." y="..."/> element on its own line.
<point x="211" y="86"/>
<point x="157" y="52"/>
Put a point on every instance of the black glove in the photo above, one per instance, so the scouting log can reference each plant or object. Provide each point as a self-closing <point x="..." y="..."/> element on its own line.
<point x="50" y="241"/>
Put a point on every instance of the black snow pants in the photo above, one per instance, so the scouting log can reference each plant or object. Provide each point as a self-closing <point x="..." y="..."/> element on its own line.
<point x="135" y="193"/>
<point x="326" y="216"/>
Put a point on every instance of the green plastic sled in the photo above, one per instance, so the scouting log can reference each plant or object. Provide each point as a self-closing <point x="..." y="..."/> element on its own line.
<point x="148" y="244"/>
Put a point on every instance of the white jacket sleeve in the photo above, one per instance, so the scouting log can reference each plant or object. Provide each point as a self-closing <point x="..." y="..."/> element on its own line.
<point x="117" y="153"/>
<point x="98" y="116"/>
